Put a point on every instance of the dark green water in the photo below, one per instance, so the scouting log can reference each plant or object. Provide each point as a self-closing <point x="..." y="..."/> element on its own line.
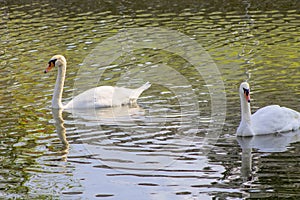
<point x="159" y="150"/>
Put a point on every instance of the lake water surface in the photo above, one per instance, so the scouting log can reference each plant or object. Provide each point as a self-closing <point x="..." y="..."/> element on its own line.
<point x="179" y="142"/>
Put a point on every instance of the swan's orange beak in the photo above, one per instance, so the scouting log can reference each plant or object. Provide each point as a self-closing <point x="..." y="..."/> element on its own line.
<point x="51" y="65"/>
<point x="247" y="96"/>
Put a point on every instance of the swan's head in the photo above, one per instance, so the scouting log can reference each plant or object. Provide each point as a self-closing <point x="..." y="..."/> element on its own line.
<point x="245" y="91"/>
<point x="57" y="60"/>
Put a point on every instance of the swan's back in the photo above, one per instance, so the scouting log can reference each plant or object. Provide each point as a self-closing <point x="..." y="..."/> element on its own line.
<point x="274" y="119"/>
<point x="106" y="96"/>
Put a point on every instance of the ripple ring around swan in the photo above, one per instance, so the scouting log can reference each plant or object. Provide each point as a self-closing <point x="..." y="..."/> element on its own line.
<point x="174" y="42"/>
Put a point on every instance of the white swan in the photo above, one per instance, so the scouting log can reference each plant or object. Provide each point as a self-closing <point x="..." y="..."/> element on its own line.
<point x="103" y="96"/>
<point x="269" y="119"/>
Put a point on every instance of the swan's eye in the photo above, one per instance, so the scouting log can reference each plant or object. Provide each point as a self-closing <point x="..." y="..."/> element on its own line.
<point x="246" y="91"/>
<point x="52" y="62"/>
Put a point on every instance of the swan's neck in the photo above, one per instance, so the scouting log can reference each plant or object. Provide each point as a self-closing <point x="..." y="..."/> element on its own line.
<point x="246" y="111"/>
<point x="59" y="85"/>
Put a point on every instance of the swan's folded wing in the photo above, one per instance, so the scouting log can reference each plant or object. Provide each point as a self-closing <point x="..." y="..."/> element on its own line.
<point x="106" y="96"/>
<point x="272" y="119"/>
<point x="93" y="98"/>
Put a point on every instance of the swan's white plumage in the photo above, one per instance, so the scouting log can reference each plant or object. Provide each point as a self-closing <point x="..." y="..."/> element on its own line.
<point x="103" y="96"/>
<point x="267" y="120"/>
<point x="275" y="119"/>
<point x="106" y="96"/>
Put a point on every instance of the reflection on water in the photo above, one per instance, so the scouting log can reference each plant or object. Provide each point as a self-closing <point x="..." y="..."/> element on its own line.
<point x="125" y="144"/>
<point x="154" y="151"/>
<point x="266" y="144"/>
<point x="125" y="115"/>
<point x="60" y="128"/>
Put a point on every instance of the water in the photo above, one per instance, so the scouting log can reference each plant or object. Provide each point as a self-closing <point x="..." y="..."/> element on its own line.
<point x="169" y="147"/>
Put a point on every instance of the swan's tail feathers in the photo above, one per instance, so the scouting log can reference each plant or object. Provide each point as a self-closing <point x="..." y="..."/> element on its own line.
<point x="137" y="92"/>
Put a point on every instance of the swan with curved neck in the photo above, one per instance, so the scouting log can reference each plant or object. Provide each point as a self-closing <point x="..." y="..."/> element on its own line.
<point x="266" y="120"/>
<point x="103" y="96"/>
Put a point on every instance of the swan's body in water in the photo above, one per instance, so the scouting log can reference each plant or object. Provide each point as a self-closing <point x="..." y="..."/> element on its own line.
<point x="103" y="96"/>
<point x="267" y="120"/>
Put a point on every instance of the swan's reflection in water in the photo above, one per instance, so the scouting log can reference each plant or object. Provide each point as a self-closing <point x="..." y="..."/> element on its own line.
<point x="61" y="131"/>
<point x="141" y="144"/>
<point x="131" y="138"/>
<point x="265" y="144"/>
<point x="119" y="115"/>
